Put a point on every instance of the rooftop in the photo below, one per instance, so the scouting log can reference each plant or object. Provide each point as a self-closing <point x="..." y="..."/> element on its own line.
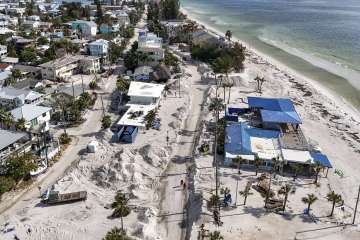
<point x="135" y="115"/>
<point x="9" y="137"/>
<point x="66" y="60"/>
<point x="275" y="110"/>
<point x="145" y="89"/>
<point x="29" y="112"/>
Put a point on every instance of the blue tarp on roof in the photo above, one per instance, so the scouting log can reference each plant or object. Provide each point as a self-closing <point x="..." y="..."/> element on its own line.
<point x="275" y="110"/>
<point x="323" y="159"/>
<point x="238" y="138"/>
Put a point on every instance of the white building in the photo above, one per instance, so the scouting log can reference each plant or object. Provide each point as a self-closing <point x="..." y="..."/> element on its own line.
<point x="11" y="98"/>
<point x="63" y="68"/>
<point x="87" y="28"/>
<point x="150" y="44"/>
<point x="35" y="116"/>
<point x="145" y="93"/>
<point x="122" y="18"/>
<point x="99" y="47"/>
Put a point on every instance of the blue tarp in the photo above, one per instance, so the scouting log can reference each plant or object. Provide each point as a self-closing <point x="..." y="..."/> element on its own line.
<point x="275" y="110"/>
<point x="323" y="159"/>
<point x="238" y="138"/>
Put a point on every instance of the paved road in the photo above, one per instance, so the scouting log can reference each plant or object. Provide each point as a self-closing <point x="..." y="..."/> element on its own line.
<point x="172" y="212"/>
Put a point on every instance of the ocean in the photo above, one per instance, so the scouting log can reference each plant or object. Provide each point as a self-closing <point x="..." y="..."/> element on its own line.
<point x="317" y="38"/>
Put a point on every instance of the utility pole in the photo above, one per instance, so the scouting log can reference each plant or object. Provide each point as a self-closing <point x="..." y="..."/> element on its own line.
<point x="102" y="104"/>
<point x="73" y="90"/>
<point x="356" y="206"/>
<point x="236" y="192"/>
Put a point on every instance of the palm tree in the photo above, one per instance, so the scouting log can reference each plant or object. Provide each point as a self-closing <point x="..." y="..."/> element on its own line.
<point x="257" y="163"/>
<point x="239" y="160"/>
<point x="216" y="105"/>
<point x="296" y="168"/>
<point x="246" y="192"/>
<point x="20" y="124"/>
<point x="215" y="236"/>
<point x="229" y="84"/>
<point x="260" y="81"/>
<point x="334" y="198"/>
<point x="121" y="209"/>
<point x="285" y="190"/>
<point x="277" y="163"/>
<point x="122" y="85"/>
<point x="224" y="65"/>
<point x="228" y="34"/>
<point x="309" y="200"/>
<point x="6" y="119"/>
<point x="116" y="234"/>
<point x="317" y="167"/>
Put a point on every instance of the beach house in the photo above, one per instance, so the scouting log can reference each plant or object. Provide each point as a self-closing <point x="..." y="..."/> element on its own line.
<point x="88" y="29"/>
<point x="98" y="48"/>
<point x="11" y="98"/>
<point x="268" y="129"/>
<point x="151" y="45"/>
<point x="36" y="117"/>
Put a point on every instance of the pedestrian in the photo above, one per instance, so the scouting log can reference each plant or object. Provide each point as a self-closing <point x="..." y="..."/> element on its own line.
<point x="181" y="182"/>
<point x="184" y="185"/>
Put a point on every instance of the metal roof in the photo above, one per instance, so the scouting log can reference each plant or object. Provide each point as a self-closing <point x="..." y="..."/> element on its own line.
<point x="9" y="137"/>
<point x="275" y="110"/>
<point x="29" y="112"/>
<point x="321" y="158"/>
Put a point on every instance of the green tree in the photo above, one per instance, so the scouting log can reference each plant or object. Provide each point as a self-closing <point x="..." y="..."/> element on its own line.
<point x="6" y="119"/>
<point x="170" y="9"/>
<point x="42" y="41"/>
<point x="6" y="184"/>
<point x="309" y="200"/>
<point x="246" y="192"/>
<point x="285" y="190"/>
<point x="16" y="74"/>
<point x="93" y="85"/>
<point x="28" y="55"/>
<point x="334" y="198"/>
<point x="106" y="121"/>
<point x="149" y="118"/>
<point x="239" y="160"/>
<point x="19" y="166"/>
<point x="216" y="235"/>
<point x="120" y="207"/>
<point x="116" y="234"/>
<point x="317" y="167"/>
<point x="122" y="85"/>
<point x="99" y="12"/>
<point x="257" y="163"/>
<point x="296" y="168"/>
<point x="115" y="52"/>
<point x="20" y="124"/>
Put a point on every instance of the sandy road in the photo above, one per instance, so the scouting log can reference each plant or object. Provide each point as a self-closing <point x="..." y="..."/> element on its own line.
<point x="174" y="197"/>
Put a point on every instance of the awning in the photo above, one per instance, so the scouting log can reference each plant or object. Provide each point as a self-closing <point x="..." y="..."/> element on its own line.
<point x="322" y="159"/>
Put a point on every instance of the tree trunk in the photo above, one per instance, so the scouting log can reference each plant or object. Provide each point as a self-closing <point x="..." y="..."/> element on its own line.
<point x="245" y="199"/>
<point x="122" y="223"/>
<point x="285" y="200"/>
<point x="229" y="93"/>
<point x="239" y="164"/>
<point x="309" y="208"/>
<point x="256" y="171"/>
<point x="316" y="177"/>
<point x="224" y="93"/>
<point x="332" y="210"/>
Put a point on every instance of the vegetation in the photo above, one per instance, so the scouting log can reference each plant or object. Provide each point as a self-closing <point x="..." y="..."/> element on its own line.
<point x="170" y="59"/>
<point x="296" y="168"/>
<point x="259" y="83"/>
<point x="19" y="166"/>
<point x="65" y="138"/>
<point x="285" y="190"/>
<point x="6" y="184"/>
<point x="93" y="85"/>
<point x="115" y="52"/>
<point x="216" y="235"/>
<point x="121" y="208"/>
<point x="257" y="163"/>
<point x="309" y="200"/>
<point x="246" y="192"/>
<point x="116" y="234"/>
<point x="239" y="160"/>
<point x="334" y="198"/>
<point x="106" y="121"/>
<point x="6" y="119"/>
<point x="317" y="167"/>
<point x="122" y="85"/>
<point x="28" y="55"/>
<point x="214" y="201"/>
<point x="20" y="124"/>
<point x="149" y="118"/>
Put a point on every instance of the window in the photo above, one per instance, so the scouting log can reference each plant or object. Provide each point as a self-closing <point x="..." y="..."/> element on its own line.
<point x="44" y="114"/>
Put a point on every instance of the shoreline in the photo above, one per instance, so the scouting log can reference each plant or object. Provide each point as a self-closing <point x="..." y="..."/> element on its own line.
<point x="323" y="90"/>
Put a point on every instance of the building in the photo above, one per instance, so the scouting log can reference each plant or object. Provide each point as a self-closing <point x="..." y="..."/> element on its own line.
<point x="99" y="48"/>
<point x="142" y="73"/>
<point x="88" y="29"/>
<point x="36" y="117"/>
<point x="122" y="18"/>
<point x="203" y="37"/>
<point x="145" y="93"/>
<point x="268" y="129"/>
<point x="11" y="98"/>
<point x="12" y="142"/>
<point x="106" y="28"/>
<point x="151" y="45"/>
<point x="63" y="68"/>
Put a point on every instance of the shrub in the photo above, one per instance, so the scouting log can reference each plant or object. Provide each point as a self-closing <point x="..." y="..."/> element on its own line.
<point x="106" y="121"/>
<point x="65" y="138"/>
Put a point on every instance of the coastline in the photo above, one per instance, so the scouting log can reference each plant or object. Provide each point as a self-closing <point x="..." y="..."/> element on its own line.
<point x="273" y="63"/>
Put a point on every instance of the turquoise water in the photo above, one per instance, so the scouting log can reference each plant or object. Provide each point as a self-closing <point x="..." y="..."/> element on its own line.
<point x="319" y="38"/>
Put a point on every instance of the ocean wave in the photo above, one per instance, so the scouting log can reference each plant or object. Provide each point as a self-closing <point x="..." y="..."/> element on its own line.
<point x="335" y="67"/>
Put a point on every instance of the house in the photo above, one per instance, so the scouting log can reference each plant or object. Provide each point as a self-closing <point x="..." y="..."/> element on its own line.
<point x="150" y="44"/>
<point x="268" y="129"/>
<point x="11" y="98"/>
<point x="203" y="37"/>
<point x="12" y="142"/>
<point x="10" y="60"/>
<point x="36" y="117"/>
<point x="63" y="68"/>
<point x="161" y="74"/>
<point x="122" y="18"/>
<point x="98" y="48"/>
<point x="173" y="27"/>
<point x="5" y="67"/>
<point x="106" y="28"/>
<point x="22" y="43"/>
<point x="142" y="73"/>
<point x="3" y="51"/>
<point x="27" y="71"/>
<point x="88" y="29"/>
<point x="145" y="93"/>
